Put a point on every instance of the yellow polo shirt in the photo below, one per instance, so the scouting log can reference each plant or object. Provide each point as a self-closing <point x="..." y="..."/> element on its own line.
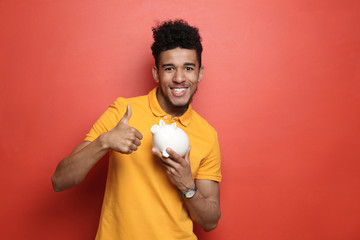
<point x="140" y="203"/>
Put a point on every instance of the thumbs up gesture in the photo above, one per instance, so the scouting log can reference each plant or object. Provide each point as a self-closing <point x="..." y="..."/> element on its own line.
<point x="123" y="138"/>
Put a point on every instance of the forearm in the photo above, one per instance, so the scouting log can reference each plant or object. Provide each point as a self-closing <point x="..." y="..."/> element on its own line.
<point x="204" y="206"/>
<point x="74" y="168"/>
<point x="205" y="212"/>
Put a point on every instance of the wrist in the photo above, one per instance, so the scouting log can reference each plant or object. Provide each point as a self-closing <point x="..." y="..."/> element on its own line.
<point x="186" y="187"/>
<point x="189" y="192"/>
<point x="103" y="141"/>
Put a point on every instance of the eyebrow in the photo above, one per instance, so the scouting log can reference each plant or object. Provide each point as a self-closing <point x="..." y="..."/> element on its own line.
<point x="168" y="65"/>
<point x="185" y="64"/>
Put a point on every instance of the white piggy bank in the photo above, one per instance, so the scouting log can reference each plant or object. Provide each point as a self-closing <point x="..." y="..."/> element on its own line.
<point x="171" y="136"/>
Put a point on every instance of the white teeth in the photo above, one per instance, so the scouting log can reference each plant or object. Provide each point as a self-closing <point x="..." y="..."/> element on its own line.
<point x="178" y="90"/>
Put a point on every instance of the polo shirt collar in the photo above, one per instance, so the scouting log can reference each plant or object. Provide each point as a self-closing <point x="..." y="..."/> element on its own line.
<point x="158" y="111"/>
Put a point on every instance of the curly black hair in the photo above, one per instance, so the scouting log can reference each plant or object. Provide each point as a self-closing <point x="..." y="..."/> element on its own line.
<point x="172" y="34"/>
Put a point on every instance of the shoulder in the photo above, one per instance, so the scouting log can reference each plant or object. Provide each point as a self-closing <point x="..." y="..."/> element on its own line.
<point x="198" y="120"/>
<point x="202" y="126"/>
<point x="134" y="102"/>
<point x="140" y="109"/>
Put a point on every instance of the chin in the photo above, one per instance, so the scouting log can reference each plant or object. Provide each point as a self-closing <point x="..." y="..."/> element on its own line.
<point x="182" y="104"/>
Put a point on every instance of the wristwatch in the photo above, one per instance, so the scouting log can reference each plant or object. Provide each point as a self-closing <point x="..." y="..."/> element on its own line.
<point x="189" y="193"/>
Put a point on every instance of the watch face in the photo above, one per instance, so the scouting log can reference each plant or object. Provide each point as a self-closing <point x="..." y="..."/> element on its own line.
<point x="190" y="193"/>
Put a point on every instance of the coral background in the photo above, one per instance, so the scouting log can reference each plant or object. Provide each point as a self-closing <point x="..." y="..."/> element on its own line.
<point x="281" y="86"/>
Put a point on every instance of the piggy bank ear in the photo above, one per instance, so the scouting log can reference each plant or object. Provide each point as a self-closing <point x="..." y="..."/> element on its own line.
<point x="161" y="123"/>
<point x="173" y="125"/>
<point x="154" y="129"/>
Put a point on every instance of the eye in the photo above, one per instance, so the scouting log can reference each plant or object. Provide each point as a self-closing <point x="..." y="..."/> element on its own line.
<point x="189" y="68"/>
<point x="169" y="69"/>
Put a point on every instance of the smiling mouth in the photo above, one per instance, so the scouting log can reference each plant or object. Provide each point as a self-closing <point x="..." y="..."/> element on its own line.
<point x="178" y="90"/>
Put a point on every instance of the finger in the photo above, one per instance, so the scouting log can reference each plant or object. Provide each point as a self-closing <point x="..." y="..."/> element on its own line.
<point x="170" y="162"/>
<point x="173" y="155"/>
<point x="125" y="149"/>
<point x="138" y="134"/>
<point x="159" y="154"/>
<point x="156" y="152"/>
<point x="125" y="119"/>
<point x="131" y="143"/>
<point x="137" y="142"/>
<point x="168" y="166"/>
<point x="170" y="170"/>
<point x="134" y="135"/>
<point x="133" y="147"/>
<point x="167" y="162"/>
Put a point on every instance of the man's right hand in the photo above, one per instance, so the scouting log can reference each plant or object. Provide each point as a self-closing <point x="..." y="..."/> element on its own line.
<point x="123" y="138"/>
<point x="73" y="169"/>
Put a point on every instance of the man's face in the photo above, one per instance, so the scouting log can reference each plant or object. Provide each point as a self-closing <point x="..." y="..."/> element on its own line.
<point x="178" y="75"/>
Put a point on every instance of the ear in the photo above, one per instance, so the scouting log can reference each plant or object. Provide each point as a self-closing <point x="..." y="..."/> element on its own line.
<point x="201" y="73"/>
<point x="155" y="73"/>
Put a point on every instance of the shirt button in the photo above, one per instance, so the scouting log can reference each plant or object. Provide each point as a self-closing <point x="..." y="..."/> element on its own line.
<point x="165" y="117"/>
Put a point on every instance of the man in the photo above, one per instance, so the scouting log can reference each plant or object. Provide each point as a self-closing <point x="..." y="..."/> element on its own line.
<point x="149" y="196"/>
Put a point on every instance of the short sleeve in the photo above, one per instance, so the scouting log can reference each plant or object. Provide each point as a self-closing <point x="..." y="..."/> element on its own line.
<point x="108" y="120"/>
<point x="210" y="167"/>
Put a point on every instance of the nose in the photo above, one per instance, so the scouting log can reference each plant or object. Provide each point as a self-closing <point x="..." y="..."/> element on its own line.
<point x="179" y="76"/>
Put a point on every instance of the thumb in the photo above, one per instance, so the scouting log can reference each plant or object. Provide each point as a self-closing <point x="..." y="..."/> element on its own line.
<point x="125" y="119"/>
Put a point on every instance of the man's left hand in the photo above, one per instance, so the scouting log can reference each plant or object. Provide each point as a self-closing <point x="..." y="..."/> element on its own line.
<point x="177" y="168"/>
